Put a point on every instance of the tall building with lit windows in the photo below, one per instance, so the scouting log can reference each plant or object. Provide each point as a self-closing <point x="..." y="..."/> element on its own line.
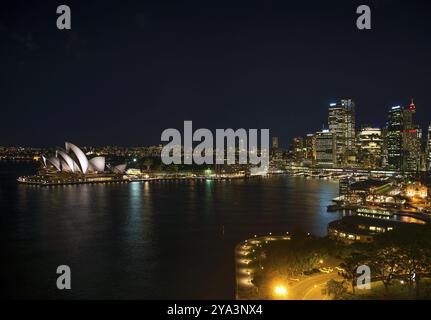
<point x="369" y="147"/>
<point x="411" y="137"/>
<point x="341" y="121"/>
<point x="428" y="149"/>
<point x="385" y="146"/>
<point x="310" y="148"/>
<point x="403" y="140"/>
<point x="325" y="142"/>
<point x="394" y="141"/>
<point x="298" y="149"/>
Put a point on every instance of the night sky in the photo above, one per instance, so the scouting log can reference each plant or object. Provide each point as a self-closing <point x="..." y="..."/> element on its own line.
<point x="130" y="69"/>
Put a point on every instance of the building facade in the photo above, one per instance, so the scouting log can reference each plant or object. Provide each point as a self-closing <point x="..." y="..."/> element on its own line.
<point x="428" y="149"/>
<point x="369" y="147"/>
<point x="310" y="148"/>
<point x="342" y="122"/>
<point x="298" y="149"/>
<point x="403" y="139"/>
<point x="411" y="137"/>
<point x="394" y="141"/>
<point x="274" y="142"/>
<point x="325" y="142"/>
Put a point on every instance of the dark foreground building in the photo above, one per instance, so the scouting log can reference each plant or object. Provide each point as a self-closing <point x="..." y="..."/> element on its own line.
<point x="363" y="229"/>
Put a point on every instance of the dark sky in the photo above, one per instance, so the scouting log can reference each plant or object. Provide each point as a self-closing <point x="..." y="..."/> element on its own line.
<point x="130" y="69"/>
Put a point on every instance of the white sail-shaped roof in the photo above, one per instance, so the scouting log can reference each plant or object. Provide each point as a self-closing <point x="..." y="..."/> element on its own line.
<point x="76" y="168"/>
<point x="121" y="168"/>
<point x="43" y="160"/>
<point x="55" y="162"/>
<point x="67" y="159"/>
<point x="98" y="164"/>
<point x="65" y="167"/>
<point x="82" y="159"/>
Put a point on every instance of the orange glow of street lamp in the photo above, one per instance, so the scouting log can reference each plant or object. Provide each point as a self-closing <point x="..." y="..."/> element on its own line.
<point x="280" y="291"/>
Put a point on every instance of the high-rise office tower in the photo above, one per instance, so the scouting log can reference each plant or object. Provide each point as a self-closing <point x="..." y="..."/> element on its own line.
<point x="394" y="141"/>
<point x="310" y="148"/>
<point x="298" y="149"/>
<point x="411" y="137"/>
<point x="411" y="150"/>
<point x="325" y="141"/>
<point x="341" y="121"/>
<point x="428" y="149"/>
<point x="385" y="146"/>
<point x="274" y="142"/>
<point x="369" y="147"/>
<point x="403" y="139"/>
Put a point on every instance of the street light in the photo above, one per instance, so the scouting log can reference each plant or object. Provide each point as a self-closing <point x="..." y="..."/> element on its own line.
<point x="280" y="291"/>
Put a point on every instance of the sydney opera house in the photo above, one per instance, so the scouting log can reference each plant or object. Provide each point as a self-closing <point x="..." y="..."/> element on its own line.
<point x="71" y="166"/>
<point x="73" y="159"/>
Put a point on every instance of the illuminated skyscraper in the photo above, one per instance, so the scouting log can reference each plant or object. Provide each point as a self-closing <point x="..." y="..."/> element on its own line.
<point x="298" y="149"/>
<point x="385" y="146"/>
<point x="310" y="148"/>
<point x="394" y="142"/>
<point x="428" y="149"/>
<point x="274" y="143"/>
<point x="325" y="148"/>
<point x="411" y="137"/>
<point x="341" y="121"/>
<point x="403" y="139"/>
<point x="369" y="147"/>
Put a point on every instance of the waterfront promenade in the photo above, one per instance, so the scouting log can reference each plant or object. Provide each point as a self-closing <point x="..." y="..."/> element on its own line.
<point x="38" y="181"/>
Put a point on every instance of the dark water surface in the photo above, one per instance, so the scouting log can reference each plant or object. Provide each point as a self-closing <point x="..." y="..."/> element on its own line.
<point x="145" y="240"/>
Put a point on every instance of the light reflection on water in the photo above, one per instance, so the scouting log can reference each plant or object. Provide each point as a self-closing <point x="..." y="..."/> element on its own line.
<point x="149" y="240"/>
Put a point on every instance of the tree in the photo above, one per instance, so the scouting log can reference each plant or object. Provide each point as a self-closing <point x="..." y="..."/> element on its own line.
<point x="336" y="288"/>
<point x="350" y="265"/>
<point x="414" y="261"/>
<point x="410" y="256"/>
<point x="148" y="162"/>
<point x="385" y="263"/>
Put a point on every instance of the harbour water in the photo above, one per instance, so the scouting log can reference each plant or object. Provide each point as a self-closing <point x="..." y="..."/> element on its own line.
<point x="145" y="240"/>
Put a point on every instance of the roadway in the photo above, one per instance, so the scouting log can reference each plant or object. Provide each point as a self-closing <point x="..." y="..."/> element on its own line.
<point x="311" y="287"/>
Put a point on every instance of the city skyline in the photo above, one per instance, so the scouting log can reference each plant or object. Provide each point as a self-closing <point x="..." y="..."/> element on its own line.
<point x="343" y="143"/>
<point x="422" y="123"/>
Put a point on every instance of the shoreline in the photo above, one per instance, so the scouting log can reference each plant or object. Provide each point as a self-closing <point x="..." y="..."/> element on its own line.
<point x="24" y="181"/>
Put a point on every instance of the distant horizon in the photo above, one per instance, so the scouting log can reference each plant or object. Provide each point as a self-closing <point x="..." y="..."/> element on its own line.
<point x="284" y="144"/>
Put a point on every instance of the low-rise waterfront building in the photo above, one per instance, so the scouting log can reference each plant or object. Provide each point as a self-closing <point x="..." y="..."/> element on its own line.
<point x="351" y="229"/>
<point x="416" y="190"/>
